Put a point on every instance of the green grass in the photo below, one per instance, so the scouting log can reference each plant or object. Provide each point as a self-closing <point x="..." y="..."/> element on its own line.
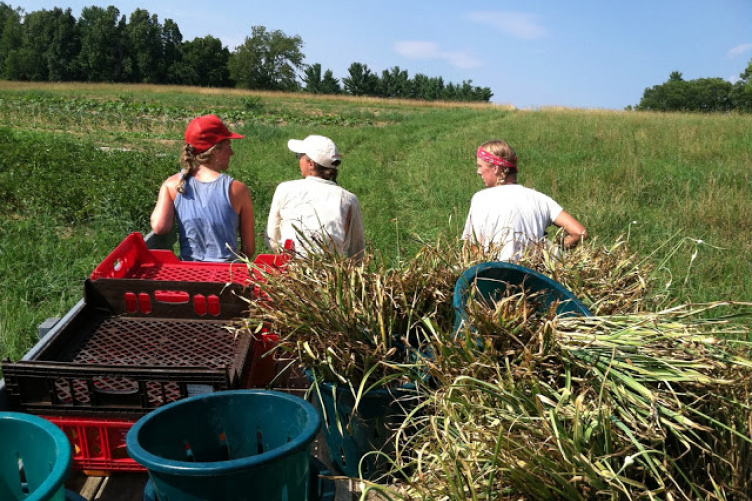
<point x="68" y="194"/>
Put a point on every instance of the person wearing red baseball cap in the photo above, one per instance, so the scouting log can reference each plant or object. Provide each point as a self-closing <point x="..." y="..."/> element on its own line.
<point x="211" y="208"/>
<point x="509" y="216"/>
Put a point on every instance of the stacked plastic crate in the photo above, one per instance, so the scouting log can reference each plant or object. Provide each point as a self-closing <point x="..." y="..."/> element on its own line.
<point x="153" y="329"/>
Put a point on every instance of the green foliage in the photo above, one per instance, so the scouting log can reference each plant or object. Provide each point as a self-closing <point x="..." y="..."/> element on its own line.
<point x="315" y="83"/>
<point x="704" y="95"/>
<point x="143" y="37"/>
<point x="395" y="83"/>
<point x="102" y="45"/>
<point x="646" y="406"/>
<point x="204" y="63"/>
<point x="267" y="60"/>
<point x="361" y="81"/>
<point x="329" y="84"/>
<point x="312" y="78"/>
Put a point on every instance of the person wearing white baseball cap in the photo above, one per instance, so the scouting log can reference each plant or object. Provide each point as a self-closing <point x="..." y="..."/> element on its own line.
<point x="315" y="211"/>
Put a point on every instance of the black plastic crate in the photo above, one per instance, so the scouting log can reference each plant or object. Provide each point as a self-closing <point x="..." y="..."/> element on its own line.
<point x="136" y="345"/>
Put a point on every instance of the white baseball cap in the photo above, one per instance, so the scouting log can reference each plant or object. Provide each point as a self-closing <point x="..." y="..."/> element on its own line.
<point x="320" y="149"/>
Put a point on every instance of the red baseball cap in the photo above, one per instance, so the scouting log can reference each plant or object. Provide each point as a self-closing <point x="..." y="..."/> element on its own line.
<point x="206" y="131"/>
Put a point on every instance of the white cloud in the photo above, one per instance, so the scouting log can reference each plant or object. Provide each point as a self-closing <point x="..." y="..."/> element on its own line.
<point x="417" y="49"/>
<point x="516" y="24"/>
<point x="739" y="50"/>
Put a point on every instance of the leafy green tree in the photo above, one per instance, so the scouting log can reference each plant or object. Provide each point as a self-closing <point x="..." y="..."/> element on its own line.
<point x="102" y="43"/>
<point x="741" y="95"/>
<point x="419" y="87"/>
<point x="360" y="82"/>
<point x="709" y="95"/>
<point x="318" y="84"/>
<point x="484" y="94"/>
<point x="267" y="60"/>
<point x="469" y="92"/>
<point x="435" y="90"/>
<point x="312" y="78"/>
<point x="204" y="63"/>
<point x="668" y="96"/>
<point x="676" y="94"/>
<point x="329" y="84"/>
<point x="65" y="46"/>
<point x="11" y="34"/>
<point x="143" y="35"/>
<point x="42" y="47"/>
<point x="450" y="92"/>
<point x="172" y="41"/>
<point x="394" y="83"/>
<point x="30" y="61"/>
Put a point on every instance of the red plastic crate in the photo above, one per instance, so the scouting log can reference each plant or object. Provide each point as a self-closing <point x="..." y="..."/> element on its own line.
<point x="132" y="259"/>
<point x="98" y="444"/>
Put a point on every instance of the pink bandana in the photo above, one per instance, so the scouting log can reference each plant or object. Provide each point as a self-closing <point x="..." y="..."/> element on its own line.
<point x="494" y="160"/>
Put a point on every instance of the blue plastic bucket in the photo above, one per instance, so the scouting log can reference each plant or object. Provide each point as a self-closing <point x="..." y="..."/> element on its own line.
<point x="242" y="444"/>
<point x="491" y="280"/>
<point x="35" y="458"/>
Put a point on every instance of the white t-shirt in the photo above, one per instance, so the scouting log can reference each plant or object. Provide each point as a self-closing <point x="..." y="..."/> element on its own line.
<point x="317" y="209"/>
<point x="509" y="215"/>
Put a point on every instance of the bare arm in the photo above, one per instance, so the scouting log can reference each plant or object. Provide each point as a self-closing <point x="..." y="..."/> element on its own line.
<point x="575" y="231"/>
<point x="241" y="201"/>
<point x="163" y="215"/>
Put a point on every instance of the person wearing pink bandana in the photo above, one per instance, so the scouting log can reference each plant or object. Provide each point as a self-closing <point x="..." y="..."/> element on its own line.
<point x="509" y="216"/>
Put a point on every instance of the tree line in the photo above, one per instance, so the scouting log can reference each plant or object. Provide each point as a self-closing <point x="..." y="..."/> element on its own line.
<point x="700" y="95"/>
<point x="103" y="46"/>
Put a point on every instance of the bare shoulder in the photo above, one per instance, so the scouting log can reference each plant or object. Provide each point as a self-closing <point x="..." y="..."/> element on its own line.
<point x="239" y="190"/>
<point x="172" y="181"/>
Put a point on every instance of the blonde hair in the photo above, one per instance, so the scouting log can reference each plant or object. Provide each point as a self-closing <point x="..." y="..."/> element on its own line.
<point x="191" y="161"/>
<point x="503" y="150"/>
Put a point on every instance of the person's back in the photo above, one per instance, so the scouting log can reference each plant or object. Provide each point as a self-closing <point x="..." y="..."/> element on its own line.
<point x="211" y="208"/>
<point x="314" y="212"/>
<point x="510" y="216"/>
<point x="207" y="223"/>
<point x="507" y="215"/>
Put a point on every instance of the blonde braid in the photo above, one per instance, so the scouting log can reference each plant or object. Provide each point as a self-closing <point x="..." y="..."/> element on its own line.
<point x="191" y="162"/>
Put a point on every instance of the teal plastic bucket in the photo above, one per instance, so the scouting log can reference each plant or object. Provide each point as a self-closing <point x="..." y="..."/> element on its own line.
<point x="353" y="435"/>
<point x="492" y="279"/>
<point x="240" y="445"/>
<point x="321" y="488"/>
<point x="35" y="458"/>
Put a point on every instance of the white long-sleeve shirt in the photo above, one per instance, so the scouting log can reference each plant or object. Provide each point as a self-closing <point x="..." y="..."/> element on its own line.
<point x="317" y="210"/>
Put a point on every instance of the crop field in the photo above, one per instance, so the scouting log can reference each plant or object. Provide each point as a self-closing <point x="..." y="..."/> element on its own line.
<point x="81" y="166"/>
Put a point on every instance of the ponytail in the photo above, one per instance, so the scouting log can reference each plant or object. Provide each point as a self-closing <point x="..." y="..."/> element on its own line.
<point x="190" y="162"/>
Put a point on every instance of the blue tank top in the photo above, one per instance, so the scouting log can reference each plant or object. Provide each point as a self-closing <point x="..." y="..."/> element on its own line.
<point x="207" y="223"/>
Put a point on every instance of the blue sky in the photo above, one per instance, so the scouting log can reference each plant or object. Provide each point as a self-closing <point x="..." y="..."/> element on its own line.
<point x="584" y="54"/>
